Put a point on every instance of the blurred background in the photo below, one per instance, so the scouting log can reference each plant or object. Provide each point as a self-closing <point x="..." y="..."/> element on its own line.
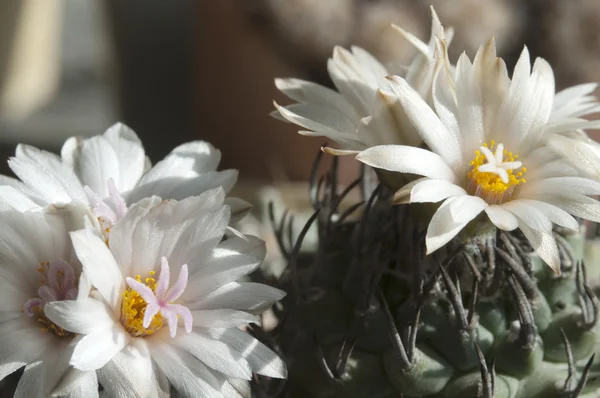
<point x="179" y="70"/>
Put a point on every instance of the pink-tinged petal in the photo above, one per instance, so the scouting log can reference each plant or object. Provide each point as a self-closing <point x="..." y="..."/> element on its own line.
<point x="93" y="198"/>
<point x="31" y="304"/>
<point x="60" y="275"/>
<point x="152" y="309"/>
<point x="162" y="285"/>
<point x="184" y="313"/>
<point x="115" y="196"/>
<point x="144" y="291"/>
<point x="178" y="288"/>
<point x="72" y="293"/>
<point x="171" y="318"/>
<point x="47" y="294"/>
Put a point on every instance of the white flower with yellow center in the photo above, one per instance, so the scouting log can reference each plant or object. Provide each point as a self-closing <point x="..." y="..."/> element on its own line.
<point x="485" y="136"/>
<point x="167" y="302"/>
<point x="37" y="267"/>
<point x="110" y="172"/>
<point x="364" y="112"/>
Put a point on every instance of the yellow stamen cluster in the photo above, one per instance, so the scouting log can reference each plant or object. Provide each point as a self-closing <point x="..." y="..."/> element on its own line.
<point x="491" y="182"/>
<point x="134" y="307"/>
<point x="44" y="266"/>
<point x="46" y="324"/>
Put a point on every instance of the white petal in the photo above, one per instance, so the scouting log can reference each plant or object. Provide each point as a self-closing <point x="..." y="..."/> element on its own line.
<point x="406" y="159"/>
<point x="231" y="260"/>
<point x="261" y="359"/>
<point x="81" y="316"/>
<point x="554" y="214"/>
<point x="44" y="172"/>
<point x="559" y="186"/>
<point x="15" y="199"/>
<point x="30" y="384"/>
<point x="21" y="346"/>
<point x="186" y="373"/>
<point x="180" y="231"/>
<point x="239" y="209"/>
<point x="215" y="354"/>
<point x="387" y="123"/>
<point x="222" y="318"/>
<point x="402" y="196"/>
<point x="99" y="265"/>
<point x="96" y="164"/>
<point x="529" y="214"/>
<point x="564" y="97"/>
<point x="441" y="140"/>
<point x="323" y="122"/>
<point x="544" y="245"/>
<point x="121" y="234"/>
<point x="235" y="388"/>
<point x="130" y="373"/>
<point x="502" y="218"/>
<point x="434" y="190"/>
<point x="444" y="99"/>
<point x="79" y="385"/>
<point x="244" y="296"/>
<point x="577" y="152"/>
<point x="96" y="349"/>
<point x="55" y="366"/>
<point x="353" y="81"/>
<point x="533" y="106"/>
<point x="577" y="205"/>
<point x="187" y="171"/>
<point x="451" y="217"/>
<point x="22" y="187"/>
<point x="469" y="103"/>
<point x="130" y="155"/>
<point x="308" y="92"/>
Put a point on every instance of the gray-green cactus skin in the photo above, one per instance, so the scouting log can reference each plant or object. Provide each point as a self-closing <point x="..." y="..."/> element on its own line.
<point x="370" y="315"/>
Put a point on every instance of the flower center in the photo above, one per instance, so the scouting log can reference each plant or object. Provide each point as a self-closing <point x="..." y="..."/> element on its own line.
<point x="57" y="284"/>
<point x="133" y="310"/>
<point x="146" y="306"/>
<point x="107" y="213"/>
<point x="494" y="173"/>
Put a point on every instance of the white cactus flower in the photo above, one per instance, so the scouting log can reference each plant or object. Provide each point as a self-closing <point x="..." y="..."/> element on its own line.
<point x="110" y="172"/>
<point x="364" y="112"/>
<point x="139" y="330"/>
<point x="37" y="267"/>
<point x="485" y="136"/>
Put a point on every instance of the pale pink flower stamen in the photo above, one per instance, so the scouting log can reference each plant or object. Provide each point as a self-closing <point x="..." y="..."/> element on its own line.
<point x="31" y="304"/>
<point x="117" y="199"/>
<point x="161" y="300"/>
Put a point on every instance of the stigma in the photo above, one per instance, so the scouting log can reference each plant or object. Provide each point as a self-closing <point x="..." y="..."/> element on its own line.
<point x="147" y="306"/>
<point x="495" y="173"/>
<point x="57" y="284"/>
